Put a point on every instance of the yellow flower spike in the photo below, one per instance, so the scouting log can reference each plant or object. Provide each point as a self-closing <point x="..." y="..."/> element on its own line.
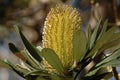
<point x="60" y="23"/>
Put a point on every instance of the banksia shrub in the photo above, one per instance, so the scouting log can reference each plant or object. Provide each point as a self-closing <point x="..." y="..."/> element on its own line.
<point x="68" y="52"/>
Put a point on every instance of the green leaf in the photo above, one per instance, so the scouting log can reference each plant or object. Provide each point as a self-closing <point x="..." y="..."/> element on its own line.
<point x="89" y="32"/>
<point x="13" y="48"/>
<point x="55" y="77"/>
<point x="114" y="40"/>
<point x="115" y="36"/>
<point x="96" y="76"/>
<point x="107" y="35"/>
<point x="16" y="69"/>
<point x="104" y="28"/>
<point x="79" y="45"/>
<point x="24" y="56"/>
<point x="33" y="50"/>
<point x="112" y="60"/>
<point x="38" y="78"/>
<point x="113" y="63"/>
<point x="88" y="35"/>
<point x="4" y="64"/>
<point x="113" y="49"/>
<point x="31" y="61"/>
<point x="110" y="45"/>
<point x="52" y="58"/>
<point x="92" y="72"/>
<point x="94" y="34"/>
<point x="115" y="56"/>
<point x="103" y="40"/>
<point x="16" y="52"/>
<point x="37" y="72"/>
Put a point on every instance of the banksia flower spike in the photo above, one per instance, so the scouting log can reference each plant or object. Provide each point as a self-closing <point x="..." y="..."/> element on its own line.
<point x="59" y="26"/>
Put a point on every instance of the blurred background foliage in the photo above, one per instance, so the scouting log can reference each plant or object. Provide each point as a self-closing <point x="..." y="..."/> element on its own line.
<point x="31" y="14"/>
